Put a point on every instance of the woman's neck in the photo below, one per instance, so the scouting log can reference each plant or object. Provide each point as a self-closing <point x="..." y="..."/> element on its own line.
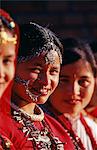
<point x="28" y="107"/>
<point x="72" y="116"/>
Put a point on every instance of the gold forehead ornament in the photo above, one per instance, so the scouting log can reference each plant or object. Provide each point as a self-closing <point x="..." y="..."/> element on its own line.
<point x="4" y="38"/>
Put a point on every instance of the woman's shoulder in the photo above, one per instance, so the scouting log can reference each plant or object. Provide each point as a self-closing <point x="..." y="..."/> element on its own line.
<point x="9" y="129"/>
<point x="90" y="116"/>
<point x="59" y="131"/>
<point x="90" y="121"/>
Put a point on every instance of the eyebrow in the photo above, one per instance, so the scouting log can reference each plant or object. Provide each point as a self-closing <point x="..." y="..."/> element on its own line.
<point x="9" y="56"/>
<point x="85" y="77"/>
<point x="82" y="77"/>
<point x="37" y="64"/>
<point x="55" y="67"/>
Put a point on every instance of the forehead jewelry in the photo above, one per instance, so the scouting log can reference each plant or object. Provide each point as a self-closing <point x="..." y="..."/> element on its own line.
<point x="26" y="84"/>
<point x="4" y="38"/>
<point x="50" y="56"/>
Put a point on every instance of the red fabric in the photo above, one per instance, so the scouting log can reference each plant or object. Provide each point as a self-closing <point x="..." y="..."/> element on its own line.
<point x="59" y="131"/>
<point x="7" y="127"/>
<point x="21" y="143"/>
<point x="89" y="132"/>
<point x="5" y="100"/>
<point x="94" y="112"/>
<point x="66" y="124"/>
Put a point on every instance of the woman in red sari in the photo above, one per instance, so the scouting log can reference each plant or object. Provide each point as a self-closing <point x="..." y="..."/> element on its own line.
<point x="9" y="37"/>
<point x="37" y="76"/>
<point x="92" y="107"/>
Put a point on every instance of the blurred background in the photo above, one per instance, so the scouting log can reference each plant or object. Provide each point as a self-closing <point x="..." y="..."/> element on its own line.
<point x="65" y="18"/>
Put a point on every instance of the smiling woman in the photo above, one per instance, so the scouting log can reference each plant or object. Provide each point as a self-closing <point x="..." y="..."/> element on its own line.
<point x="37" y="76"/>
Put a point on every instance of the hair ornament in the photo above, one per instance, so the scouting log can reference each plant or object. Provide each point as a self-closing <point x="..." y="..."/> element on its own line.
<point x="4" y="23"/>
<point x="12" y="24"/>
<point x="9" y="24"/>
<point x="4" y="38"/>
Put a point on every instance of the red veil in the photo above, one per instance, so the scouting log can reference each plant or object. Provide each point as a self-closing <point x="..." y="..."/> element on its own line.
<point x="6" y="123"/>
<point x="6" y="97"/>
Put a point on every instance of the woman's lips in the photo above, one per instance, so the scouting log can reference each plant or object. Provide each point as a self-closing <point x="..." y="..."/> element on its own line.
<point x="73" y="101"/>
<point x="41" y="92"/>
<point x="44" y="91"/>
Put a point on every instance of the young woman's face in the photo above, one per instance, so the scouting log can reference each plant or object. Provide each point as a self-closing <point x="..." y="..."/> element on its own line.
<point x="7" y="68"/>
<point x="43" y="78"/>
<point x="93" y="102"/>
<point x="75" y="88"/>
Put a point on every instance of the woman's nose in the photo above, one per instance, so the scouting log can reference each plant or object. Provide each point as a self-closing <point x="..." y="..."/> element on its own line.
<point x="74" y="89"/>
<point x="44" y="78"/>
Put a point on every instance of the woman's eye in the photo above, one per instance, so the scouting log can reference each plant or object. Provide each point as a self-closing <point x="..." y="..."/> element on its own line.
<point x="84" y="83"/>
<point x="8" y="61"/>
<point x="54" y="71"/>
<point x="35" y="70"/>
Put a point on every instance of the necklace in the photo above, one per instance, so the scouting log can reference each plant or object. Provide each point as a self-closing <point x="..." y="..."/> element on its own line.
<point x="37" y="116"/>
<point x="34" y="116"/>
<point x="42" y="139"/>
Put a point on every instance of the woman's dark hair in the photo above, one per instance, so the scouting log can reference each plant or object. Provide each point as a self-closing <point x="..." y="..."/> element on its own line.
<point x="75" y="49"/>
<point x="35" y="39"/>
<point x="93" y="46"/>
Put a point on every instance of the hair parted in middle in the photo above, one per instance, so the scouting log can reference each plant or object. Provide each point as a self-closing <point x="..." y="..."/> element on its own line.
<point x="75" y="49"/>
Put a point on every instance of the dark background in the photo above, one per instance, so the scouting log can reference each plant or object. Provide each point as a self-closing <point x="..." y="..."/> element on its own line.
<point x="65" y="18"/>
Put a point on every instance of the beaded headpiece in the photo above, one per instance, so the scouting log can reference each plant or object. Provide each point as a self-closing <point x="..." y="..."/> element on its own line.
<point x="36" y="40"/>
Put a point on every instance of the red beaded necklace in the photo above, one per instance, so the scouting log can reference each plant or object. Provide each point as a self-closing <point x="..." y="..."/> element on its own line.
<point x="67" y="125"/>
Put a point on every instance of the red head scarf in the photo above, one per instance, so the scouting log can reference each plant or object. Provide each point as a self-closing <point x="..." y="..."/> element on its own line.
<point x="6" y="97"/>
